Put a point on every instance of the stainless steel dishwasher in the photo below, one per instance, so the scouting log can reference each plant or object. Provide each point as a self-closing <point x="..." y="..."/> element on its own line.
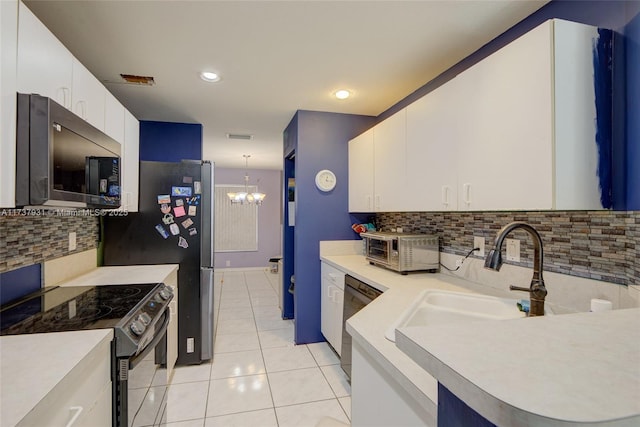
<point x="357" y="294"/>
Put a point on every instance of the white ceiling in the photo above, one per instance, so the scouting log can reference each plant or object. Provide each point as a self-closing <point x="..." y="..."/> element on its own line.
<point x="275" y="57"/>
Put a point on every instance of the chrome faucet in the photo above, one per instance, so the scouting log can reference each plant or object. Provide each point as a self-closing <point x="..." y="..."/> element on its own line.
<point x="537" y="290"/>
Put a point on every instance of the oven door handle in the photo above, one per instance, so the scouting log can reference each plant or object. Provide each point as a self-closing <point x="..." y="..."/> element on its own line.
<point x="133" y="361"/>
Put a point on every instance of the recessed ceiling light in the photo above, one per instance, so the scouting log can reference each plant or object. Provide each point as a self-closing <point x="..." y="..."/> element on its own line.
<point x="342" y="94"/>
<point x="209" y="76"/>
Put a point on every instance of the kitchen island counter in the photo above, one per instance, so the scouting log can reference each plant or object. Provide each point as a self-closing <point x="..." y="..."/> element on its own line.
<point x="541" y="371"/>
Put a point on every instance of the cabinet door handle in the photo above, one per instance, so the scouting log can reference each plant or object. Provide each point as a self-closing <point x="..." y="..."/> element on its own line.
<point x="377" y="204"/>
<point x="466" y="189"/>
<point x="82" y="107"/>
<point x="445" y="196"/>
<point x="66" y="100"/>
<point x="368" y="201"/>
<point x="78" y="410"/>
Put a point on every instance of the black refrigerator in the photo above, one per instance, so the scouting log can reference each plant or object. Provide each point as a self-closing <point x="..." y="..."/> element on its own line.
<point x="174" y="225"/>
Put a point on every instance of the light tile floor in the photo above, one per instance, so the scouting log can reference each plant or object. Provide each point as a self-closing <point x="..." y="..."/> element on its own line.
<point x="258" y="376"/>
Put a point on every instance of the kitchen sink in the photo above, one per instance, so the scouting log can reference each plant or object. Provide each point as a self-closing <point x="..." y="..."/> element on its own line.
<point x="447" y="307"/>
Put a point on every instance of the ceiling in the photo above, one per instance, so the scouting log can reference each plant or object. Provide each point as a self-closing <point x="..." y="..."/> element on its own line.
<point x="274" y="57"/>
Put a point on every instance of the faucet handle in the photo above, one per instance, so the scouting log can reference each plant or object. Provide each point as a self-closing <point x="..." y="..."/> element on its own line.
<point x="518" y="288"/>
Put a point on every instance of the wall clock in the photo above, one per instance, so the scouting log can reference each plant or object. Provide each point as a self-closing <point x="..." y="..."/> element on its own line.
<point x="325" y="180"/>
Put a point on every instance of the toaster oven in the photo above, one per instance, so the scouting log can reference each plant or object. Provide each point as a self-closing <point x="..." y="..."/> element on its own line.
<point x="402" y="252"/>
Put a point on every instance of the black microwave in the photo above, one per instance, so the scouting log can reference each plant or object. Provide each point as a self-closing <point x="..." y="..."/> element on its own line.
<point x="62" y="161"/>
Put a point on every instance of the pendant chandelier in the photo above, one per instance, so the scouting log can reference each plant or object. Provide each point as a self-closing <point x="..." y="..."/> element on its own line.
<point x="244" y="197"/>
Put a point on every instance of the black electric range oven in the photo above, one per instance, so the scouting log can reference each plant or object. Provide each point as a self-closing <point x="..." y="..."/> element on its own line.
<point x="138" y="314"/>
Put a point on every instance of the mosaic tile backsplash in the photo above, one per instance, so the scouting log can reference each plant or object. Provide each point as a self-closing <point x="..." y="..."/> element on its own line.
<point x="26" y="240"/>
<point x="600" y="245"/>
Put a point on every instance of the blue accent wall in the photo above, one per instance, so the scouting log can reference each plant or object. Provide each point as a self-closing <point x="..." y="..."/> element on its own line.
<point x="611" y="14"/>
<point x="320" y="141"/>
<point x="170" y="142"/>
<point x="632" y="152"/>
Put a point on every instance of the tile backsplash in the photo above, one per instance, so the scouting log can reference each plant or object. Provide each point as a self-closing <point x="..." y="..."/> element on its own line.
<point x="26" y="240"/>
<point x="600" y="245"/>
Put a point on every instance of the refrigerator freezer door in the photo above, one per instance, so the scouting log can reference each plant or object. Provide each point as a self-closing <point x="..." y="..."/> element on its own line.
<point x="206" y="301"/>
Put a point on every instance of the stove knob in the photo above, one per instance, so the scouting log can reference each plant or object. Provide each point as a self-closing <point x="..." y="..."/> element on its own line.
<point x="144" y="318"/>
<point x="165" y="294"/>
<point x="137" y="328"/>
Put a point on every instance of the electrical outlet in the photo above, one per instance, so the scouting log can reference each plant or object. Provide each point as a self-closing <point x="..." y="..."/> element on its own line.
<point x="228" y="264"/>
<point x="478" y="242"/>
<point x="72" y="241"/>
<point x="513" y="250"/>
<point x="190" y="345"/>
<point x="399" y="229"/>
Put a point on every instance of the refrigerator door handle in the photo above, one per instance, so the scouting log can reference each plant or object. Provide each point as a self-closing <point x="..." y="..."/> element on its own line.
<point x="207" y="241"/>
<point x="206" y="305"/>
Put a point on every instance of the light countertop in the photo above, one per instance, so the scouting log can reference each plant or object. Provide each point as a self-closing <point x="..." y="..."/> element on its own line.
<point x="541" y="371"/>
<point x="32" y="365"/>
<point x="117" y="275"/>
<point x="554" y="342"/>
<point x="368" y="326"/>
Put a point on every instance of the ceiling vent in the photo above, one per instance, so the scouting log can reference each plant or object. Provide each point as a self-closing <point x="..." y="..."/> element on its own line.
<point x="138" y="80"/>
<point x="241" y="136"/>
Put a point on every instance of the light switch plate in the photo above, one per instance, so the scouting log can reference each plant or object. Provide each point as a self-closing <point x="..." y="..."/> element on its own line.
<point x="478" y="242"/>
<point x="190" y="345"/>
<point x="513" y="250"/>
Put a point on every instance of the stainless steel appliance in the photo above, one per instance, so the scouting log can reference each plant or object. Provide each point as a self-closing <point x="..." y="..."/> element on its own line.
<point x="357" y="295"/>
<point x="61" y="160"/>
<point x="174" y="225"/>
<point x="137" y="313"/>
<point x="402" y="252"/>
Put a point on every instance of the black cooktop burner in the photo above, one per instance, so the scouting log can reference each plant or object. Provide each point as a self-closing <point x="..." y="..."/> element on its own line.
<point x="71" y="308"/>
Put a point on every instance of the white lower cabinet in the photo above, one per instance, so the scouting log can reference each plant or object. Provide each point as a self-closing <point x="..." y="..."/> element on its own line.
<point x="331" y="304"/>
<point x="377" y="399"/>
<point x="82" y="398"/>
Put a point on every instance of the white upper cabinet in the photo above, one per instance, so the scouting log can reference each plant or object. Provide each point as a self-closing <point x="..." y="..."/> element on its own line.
<point x="88" y="96"/>
<point x="390" y="178"/>
<point x="528" y="133"/>
<point x="44" y="63"/>
<point x="377" y="163"/>
<point x="505" y="154"/>
<point x="516" y="131"/>
<point x="114" y="118"/>
<point x="361" y="173"/>
<point x="433" y="130"/>
<point x="130" y="163"/>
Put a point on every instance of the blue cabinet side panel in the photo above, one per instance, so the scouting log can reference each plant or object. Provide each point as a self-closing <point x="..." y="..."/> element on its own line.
<point x="17" y="283"/>
<point x="453" y="412"/>
<point x="322" y="144"/>
<point x="170" y="142"/>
